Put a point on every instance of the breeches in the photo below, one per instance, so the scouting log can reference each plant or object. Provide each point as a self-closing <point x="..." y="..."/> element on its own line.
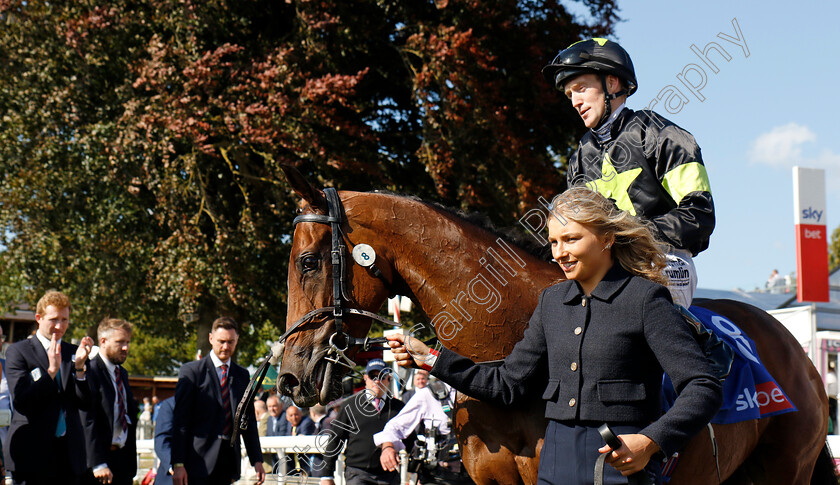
<point x="682" y="276"/>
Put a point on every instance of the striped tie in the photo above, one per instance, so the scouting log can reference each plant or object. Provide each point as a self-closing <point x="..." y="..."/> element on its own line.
<point x="226" y="402"/>
<point x="120" y="398"/>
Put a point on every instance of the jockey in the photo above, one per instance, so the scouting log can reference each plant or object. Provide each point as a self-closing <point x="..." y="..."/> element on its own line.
<point x="648" y="165"/>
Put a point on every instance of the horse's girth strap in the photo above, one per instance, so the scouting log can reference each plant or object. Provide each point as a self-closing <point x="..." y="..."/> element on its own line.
<point x="714" y="449"/>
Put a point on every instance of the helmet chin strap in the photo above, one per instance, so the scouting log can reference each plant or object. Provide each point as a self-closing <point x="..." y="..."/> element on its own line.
<point x="607" y="100"/>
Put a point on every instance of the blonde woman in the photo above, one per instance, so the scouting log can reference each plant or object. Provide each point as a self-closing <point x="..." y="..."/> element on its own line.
<point x="604" y="335"/>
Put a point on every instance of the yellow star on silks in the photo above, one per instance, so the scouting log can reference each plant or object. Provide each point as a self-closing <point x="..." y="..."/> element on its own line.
<point x="614" y="185"/>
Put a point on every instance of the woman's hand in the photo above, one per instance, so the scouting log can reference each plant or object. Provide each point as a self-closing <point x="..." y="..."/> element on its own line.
<point x="410" y="352"/>
<point x="634" y="454"/>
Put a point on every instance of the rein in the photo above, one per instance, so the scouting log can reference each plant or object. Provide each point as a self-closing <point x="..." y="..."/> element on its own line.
<point x="334" y="217"/>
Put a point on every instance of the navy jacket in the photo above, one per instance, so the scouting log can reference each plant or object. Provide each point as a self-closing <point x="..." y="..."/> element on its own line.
<point x="306" y="427"/>
<point x="605" y="355"/>
<point x="99" y="421"/>
<point x="163" y="441"/>
<point x="37" y="400"/>
<point x="283" y="428"/>
<point x="199" y="418"/>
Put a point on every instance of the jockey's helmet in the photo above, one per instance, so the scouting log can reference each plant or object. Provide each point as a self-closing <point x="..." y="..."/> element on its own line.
<point x="597" y="56"/>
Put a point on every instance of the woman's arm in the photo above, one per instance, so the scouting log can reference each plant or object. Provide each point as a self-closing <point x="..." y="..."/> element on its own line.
<point x="502" y="385"/>
<point x="700" y="393"/>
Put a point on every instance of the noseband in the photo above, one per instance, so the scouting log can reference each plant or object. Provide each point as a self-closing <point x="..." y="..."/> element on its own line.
<point x="334" y="218"/>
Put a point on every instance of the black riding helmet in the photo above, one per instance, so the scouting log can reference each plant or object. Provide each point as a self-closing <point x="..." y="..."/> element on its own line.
<point x="596" y="56"/>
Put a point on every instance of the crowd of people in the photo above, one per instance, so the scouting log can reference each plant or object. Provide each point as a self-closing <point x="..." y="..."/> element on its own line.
<point x="76" y="420"/>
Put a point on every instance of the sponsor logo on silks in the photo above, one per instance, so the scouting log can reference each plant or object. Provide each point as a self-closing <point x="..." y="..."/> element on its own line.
<point x="749" y="392"/>
<point x="767" y="397"/>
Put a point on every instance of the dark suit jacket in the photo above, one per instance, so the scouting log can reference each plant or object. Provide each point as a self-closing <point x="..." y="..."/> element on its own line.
<point x="306" y="427"/>
<point x="316" y="461"/>
<point x="163" y="441"/>
<point x="37" y="403"/>
<point x="199" y="417"/>
<point x="99" y="421"/>
<point x="608" y="352"/>
<point x="283" y="428"/>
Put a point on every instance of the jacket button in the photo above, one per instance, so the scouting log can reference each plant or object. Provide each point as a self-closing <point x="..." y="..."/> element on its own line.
<point x="578" y="330"/>
<point x="572" y="402"/>
<point x="573" y="366"/>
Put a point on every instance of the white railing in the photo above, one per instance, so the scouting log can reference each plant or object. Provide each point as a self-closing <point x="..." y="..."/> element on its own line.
<point x="312" y="444"/>
<point x="280" y="445"/>
<point x="283" y="445"/>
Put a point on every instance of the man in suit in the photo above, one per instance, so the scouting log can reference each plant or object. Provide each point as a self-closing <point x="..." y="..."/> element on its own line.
<point x="163" y="441"/>
<point x="47" y="379"/>
<point x="277" y="423"/>
<point x="261" y="412"/>
<point x="299" y="425"/>
<point x="111" y="424"/>
<point x="206" y="396"/>
<point x="318" y="415"/>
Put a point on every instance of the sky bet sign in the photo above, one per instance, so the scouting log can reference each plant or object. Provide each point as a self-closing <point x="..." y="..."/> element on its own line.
<point x="811" y="234"/>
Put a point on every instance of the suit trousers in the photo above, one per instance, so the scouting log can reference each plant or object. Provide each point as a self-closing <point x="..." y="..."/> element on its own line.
<point x="224" y="470"/>
<point x="121" y="462"/>
<point x="55" y="471"/>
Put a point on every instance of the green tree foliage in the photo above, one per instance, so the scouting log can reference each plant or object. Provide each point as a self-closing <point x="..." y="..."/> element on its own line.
<point x="834" y="249"/>
<point x="140" y="140"/>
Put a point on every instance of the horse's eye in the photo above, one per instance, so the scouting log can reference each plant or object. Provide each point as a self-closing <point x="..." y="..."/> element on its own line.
<point x="310" y="263"/>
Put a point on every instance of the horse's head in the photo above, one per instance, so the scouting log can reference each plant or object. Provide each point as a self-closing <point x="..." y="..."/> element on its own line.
<point x="309" y="373"/>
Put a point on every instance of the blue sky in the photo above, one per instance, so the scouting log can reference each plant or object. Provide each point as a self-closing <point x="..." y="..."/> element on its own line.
<point x="761" y="115"/>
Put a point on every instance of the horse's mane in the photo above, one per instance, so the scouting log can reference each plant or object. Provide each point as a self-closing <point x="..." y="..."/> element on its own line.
<point x="510" y="234"/>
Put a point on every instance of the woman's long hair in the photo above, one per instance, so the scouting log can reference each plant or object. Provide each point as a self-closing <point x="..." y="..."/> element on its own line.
<point x="635" y="247"/>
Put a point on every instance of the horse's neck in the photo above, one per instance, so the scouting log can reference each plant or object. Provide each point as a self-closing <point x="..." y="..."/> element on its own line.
<point x="477" y="289"/>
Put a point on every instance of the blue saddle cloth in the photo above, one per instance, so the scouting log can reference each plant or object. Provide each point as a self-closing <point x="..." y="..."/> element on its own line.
<point x="749" y="392"/>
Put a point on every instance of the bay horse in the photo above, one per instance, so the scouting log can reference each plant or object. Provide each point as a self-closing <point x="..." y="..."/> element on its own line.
<point x="479" y="290"/>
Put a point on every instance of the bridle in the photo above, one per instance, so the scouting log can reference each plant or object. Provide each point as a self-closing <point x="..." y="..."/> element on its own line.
<point x="334" y="218"/>
<point x="363" y="255"/>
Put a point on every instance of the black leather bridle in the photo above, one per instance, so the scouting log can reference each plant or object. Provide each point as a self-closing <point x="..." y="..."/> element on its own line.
<point x="334" y="218"/>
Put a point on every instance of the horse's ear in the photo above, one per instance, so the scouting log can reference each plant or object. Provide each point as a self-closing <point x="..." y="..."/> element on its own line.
<point x="304" y="189"/>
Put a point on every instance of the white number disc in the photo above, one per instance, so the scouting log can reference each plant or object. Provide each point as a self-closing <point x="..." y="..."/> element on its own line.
<point x="364" y="255"/>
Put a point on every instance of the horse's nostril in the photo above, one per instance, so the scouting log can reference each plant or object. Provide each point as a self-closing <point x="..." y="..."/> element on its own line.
<point x="287" y="384"/>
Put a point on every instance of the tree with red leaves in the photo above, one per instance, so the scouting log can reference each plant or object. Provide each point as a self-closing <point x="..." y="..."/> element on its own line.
<point x="140" y="140"/>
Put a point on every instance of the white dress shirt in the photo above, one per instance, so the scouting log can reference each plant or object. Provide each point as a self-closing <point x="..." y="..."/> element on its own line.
<point x="423" y="406"/>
